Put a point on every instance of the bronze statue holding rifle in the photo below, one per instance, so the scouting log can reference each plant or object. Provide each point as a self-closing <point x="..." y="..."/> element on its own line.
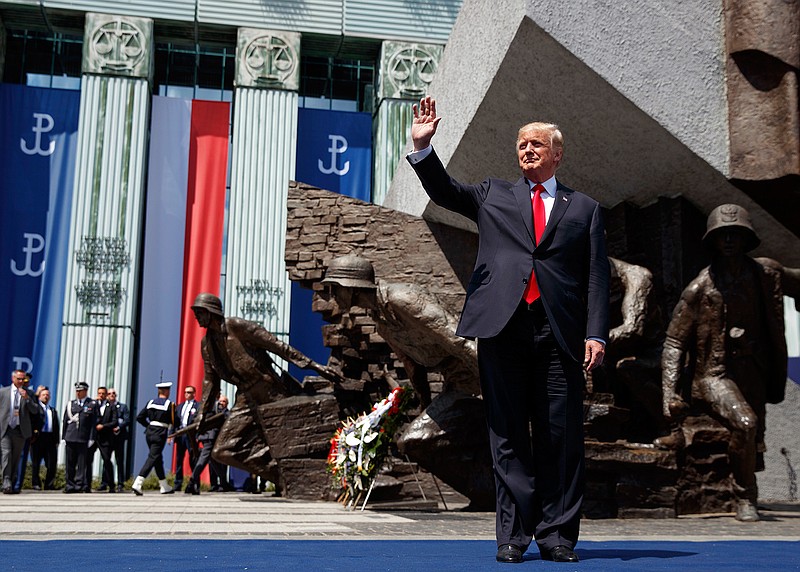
<point x="236" y="350"/>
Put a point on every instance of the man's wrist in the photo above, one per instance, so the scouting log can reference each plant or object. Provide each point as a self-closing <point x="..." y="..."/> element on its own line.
<point x="417" y="156"/>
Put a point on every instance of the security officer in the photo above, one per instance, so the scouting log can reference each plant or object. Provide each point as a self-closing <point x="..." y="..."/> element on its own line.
<point x="80" y="418"/>
<point x="157" y="419"/>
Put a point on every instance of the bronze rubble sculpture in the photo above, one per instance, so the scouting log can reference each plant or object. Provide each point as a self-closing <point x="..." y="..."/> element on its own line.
<point x="449" y="437"/>
<point x="235" y="350"/>
<point x="725" y="350"/>
<point x="632" y="368"/>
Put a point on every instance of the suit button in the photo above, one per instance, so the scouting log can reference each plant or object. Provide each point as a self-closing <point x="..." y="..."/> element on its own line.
<point x="524" y="280"/>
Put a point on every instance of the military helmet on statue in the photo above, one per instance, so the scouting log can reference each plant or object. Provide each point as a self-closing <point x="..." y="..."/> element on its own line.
<point x="208" y="302"/>
<point x="732" y="216"/>
<point x="350" y="271"/>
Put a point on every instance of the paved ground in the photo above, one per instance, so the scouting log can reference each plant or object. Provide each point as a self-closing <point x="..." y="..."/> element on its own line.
<point x="53" y="515"/>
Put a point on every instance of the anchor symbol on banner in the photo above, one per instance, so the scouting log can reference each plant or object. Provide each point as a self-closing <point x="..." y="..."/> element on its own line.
<point x="40" y="128"/>
<point x="35" y="244"/>
<point x="338" y="146"/>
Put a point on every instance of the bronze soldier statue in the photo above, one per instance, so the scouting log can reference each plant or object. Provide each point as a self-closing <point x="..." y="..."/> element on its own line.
<point x="235" y="350"/>
<point x="725" y="348"/>
<point x="449" y="438"/>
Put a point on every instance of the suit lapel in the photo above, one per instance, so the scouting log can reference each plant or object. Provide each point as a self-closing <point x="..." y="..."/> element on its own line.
<point x="563" y="199"/>
<point x="522" y="193"/>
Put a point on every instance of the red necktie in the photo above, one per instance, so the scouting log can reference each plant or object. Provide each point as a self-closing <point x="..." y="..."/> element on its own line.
<point x="532" y="290"/>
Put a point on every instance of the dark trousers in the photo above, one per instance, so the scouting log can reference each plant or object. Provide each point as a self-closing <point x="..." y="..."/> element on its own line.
<point x="45" y="448"/>
<point x="90" y="451"/>
<point x="218" y="475"/>
<point x="216" y="471"/>
<point x="119" y="458"/>
<point x="533" y="394"/>
<point x="183" y="446"/>
<point x="155" y="457"/>
<point x="77" y="478"/>
<point x="106" y="448"/>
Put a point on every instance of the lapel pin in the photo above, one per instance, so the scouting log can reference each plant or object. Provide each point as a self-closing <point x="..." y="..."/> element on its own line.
<point x="565" y="199"/>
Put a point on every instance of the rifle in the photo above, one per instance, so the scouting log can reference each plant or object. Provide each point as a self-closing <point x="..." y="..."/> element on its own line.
<point x="212" y="422"/>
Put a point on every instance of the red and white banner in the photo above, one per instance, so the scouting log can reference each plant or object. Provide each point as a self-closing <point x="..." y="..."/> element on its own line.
<point x="183" y="241"/>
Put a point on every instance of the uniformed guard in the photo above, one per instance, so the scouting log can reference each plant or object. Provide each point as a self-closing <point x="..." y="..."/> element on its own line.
<point x="157" y="418"/>
<point x="79" y="428"/>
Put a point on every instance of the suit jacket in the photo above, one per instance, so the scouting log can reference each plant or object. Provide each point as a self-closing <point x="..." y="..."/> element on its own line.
<point x="193" y="411"/>
<point x="28" y="410"/>
<point x="123" y="420"/>
<point x="82" y="429"/>
<point x="55" y="429"/>
<point x="570" y="261"/>
<point x="108" y="419"/>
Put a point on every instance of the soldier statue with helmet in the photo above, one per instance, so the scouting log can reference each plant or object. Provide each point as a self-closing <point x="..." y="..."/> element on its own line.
<point x="449" y="437"/>
<point x="236" y="350"/>
<point x="725" y="350"/>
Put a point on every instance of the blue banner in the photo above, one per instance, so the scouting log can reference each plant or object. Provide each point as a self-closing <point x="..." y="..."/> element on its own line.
<point x="38" y="135"/>
<point x="334" y="152"/>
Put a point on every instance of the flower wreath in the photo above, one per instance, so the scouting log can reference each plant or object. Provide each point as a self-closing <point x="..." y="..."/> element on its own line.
<point x="359" y="446"/>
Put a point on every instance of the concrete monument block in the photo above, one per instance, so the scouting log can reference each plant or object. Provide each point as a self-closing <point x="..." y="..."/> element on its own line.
<point x="118" y="45"/>
<point x="268" y="59"/>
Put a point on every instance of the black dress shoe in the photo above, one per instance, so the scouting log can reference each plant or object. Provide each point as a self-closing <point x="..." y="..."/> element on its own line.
<point x="560" y="554"/>
<point x="7" y="491"/>
<point x="509" y="553"/>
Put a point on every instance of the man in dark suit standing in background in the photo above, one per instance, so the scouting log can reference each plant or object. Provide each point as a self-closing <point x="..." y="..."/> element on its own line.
<point x="106" y="423"/>
<point x="121" y="435"/>
<point x="538" y="304"/>
<point x="184" y="444"/>
<point x="44" y="444"/>
<point x="18" y="407"/>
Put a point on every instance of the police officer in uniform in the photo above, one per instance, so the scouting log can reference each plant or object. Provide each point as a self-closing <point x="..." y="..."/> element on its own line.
<point x="157" y="419"/>
<point x="80" y="418"/>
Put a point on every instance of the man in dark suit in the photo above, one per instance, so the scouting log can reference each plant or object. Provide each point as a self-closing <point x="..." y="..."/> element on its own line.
<point x="184" y="444"/>
<point x="104" y="437"/>
<point x="121" y="435"/>
<point x="18" y="407"/>
<point x="44" y="443"/>
<point x="80" y="420"/>
<point x="538" y="304"/>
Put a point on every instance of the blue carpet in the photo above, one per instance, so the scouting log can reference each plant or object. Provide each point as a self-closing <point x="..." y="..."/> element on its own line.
<point x="369" y="555"/>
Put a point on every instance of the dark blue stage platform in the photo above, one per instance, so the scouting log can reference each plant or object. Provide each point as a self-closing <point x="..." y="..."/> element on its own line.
<point x="390" y="555"/>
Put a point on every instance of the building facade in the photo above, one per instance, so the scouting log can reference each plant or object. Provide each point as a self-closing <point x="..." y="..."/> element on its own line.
<point x="164" y="136"/>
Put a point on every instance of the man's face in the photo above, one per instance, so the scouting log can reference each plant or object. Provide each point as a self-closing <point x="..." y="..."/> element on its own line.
<point x="189" y="393"/>
<point x="202" y="316"/>
<point x="80" y="393"/>
<point x="18" y="379"/>
<point x="101" y="394"/>
<point x="341" y="299"/>
<point x="537" y="157"/>
<point x="44" y="396"/>
<point x="112" y="396"/>
<point x="729" y="242"/>
<point x="223" y="402"/>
